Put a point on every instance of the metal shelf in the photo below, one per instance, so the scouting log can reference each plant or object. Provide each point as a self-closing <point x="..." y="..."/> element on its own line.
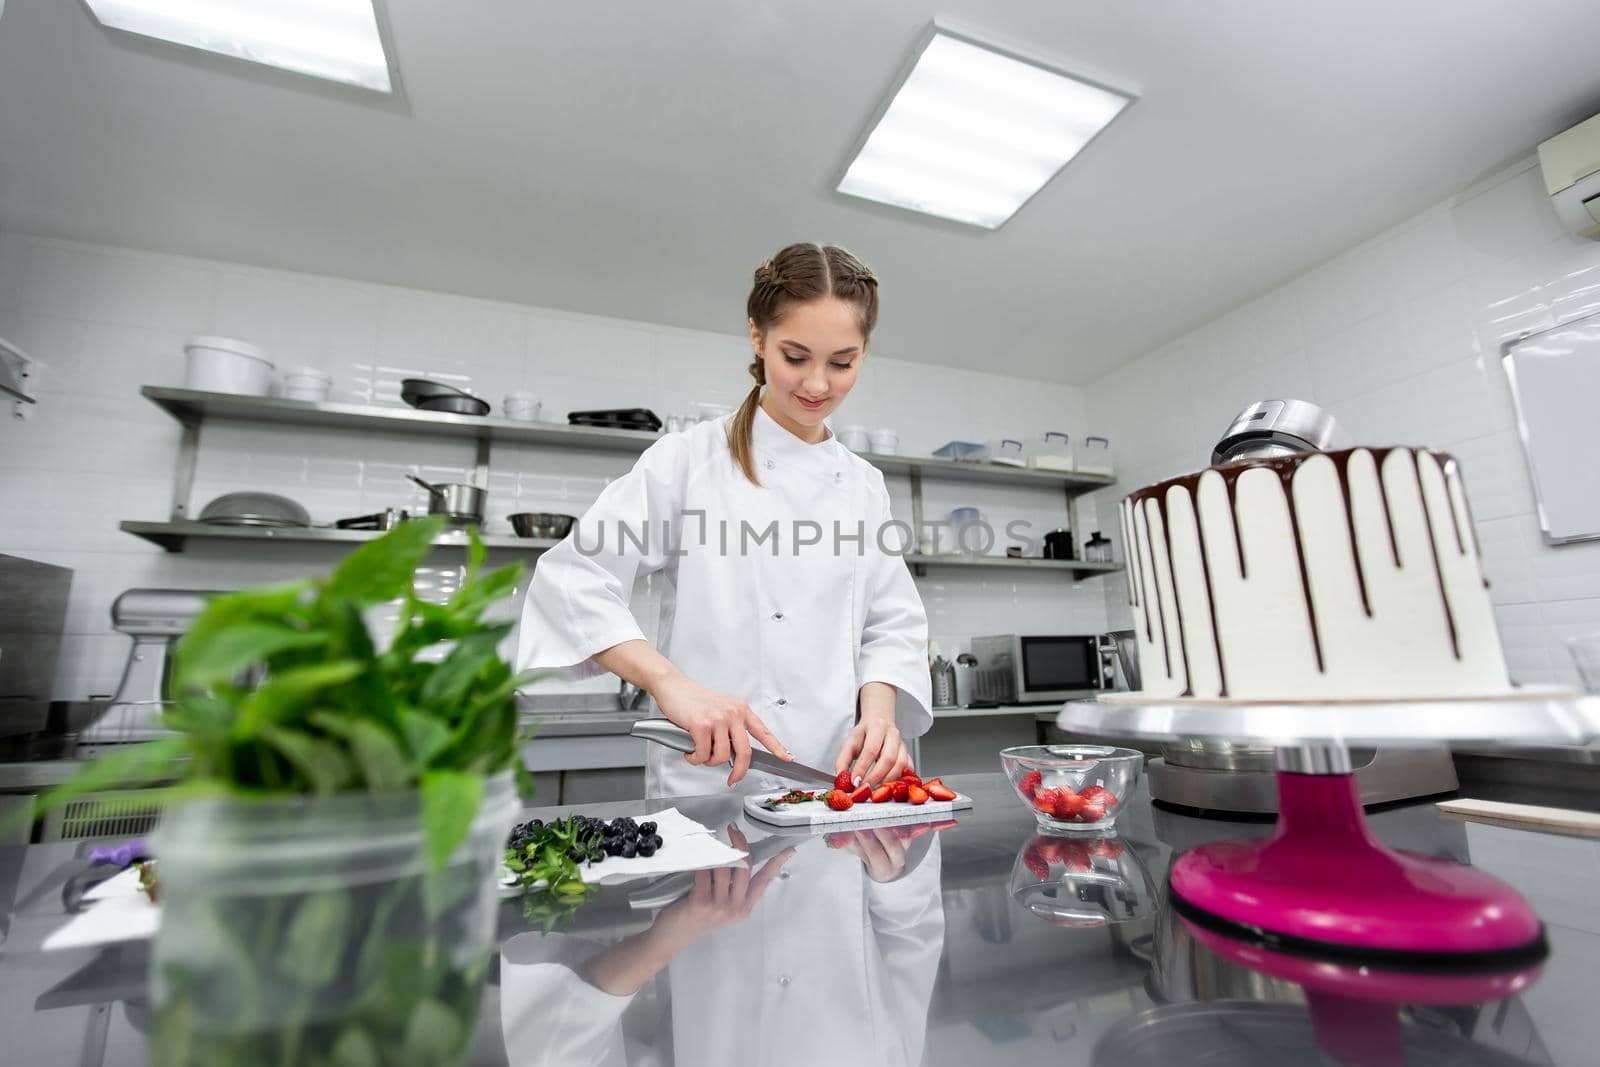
<point x="1077" y="568"/>
<point x="191" y="408"/>
<point x="173" y="536"/>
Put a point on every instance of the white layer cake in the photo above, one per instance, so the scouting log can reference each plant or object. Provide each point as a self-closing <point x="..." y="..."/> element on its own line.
<point x="1350" y="574"/>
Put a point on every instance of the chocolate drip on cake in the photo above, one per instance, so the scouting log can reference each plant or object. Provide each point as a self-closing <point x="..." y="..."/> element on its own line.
<point x="1211" y="605"/>
<point x="1342" y="461"/>
<point x="1177" y="602"/>
<point x="1433" y="548"/>
<point x="1285" y="467"/>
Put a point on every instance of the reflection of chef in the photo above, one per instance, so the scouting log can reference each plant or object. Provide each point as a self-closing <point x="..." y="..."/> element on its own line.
<point x="803" y="959"/>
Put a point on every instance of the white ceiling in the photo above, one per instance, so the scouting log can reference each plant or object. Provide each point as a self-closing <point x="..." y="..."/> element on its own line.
<point x="637" y="158"/>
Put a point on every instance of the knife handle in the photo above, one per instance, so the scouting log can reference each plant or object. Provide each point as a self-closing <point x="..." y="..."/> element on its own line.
<point x="665" y="733"/>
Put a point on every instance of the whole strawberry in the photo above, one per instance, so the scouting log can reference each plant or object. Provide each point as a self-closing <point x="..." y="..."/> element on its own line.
<point x="839" y="800"/>
<point x="842" y="782"/>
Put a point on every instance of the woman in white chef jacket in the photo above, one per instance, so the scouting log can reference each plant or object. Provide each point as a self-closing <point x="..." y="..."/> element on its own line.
<point x="787" y="614"/>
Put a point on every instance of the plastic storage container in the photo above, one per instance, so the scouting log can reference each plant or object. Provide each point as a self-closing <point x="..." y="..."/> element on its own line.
<point x="223" y="365"/>
<point x="523" y="407"/>
<point x="855" y="438"/>
<point x="306" y="383"/>
<point x="1051" y="452"/>
<point x="1095" y="457"/>
<point x="884" y="442"/>
<point x="289" y="924"/>
<point x="1007" y="451"/>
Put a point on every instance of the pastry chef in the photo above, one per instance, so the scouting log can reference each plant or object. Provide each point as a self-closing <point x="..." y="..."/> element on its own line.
<point x="788" y="619"/>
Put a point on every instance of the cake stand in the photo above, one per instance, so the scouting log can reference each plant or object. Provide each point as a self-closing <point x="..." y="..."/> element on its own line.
<point x="1322" y="884"/>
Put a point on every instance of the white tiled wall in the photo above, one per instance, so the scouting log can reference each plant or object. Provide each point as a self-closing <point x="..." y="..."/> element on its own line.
<point x="1400" y="339"/>
<point x="105" y="321"/>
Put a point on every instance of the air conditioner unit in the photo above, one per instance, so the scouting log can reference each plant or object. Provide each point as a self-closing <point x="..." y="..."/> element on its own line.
<point x="1571" y="165"/>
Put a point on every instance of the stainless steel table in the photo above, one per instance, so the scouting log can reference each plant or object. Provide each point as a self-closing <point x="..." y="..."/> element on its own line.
<point x="921" y="958"/>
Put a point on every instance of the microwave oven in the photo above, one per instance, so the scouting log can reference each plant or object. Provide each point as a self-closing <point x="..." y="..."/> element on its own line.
<point x="1027" y="669"/>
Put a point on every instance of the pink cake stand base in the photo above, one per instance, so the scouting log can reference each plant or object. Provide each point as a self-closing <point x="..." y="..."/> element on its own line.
<point x="1323" y="884"/>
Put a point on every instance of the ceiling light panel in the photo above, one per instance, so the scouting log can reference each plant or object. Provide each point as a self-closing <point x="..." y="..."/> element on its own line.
<point x="972" y="133"/>
<point x="333" y="39"/>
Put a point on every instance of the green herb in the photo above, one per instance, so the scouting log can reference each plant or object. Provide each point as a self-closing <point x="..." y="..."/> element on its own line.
<point x="333" y="714"/>
<point x="793" y="796"/>
<point x="280" y="691"/>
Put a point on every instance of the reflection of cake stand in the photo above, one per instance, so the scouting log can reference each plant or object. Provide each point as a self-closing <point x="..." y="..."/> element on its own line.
<point x="1322" y="883"/>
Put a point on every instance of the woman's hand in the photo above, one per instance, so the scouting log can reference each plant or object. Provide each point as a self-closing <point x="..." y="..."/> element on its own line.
<point x="874" y="751"/>
<point x="721" y="725"/>
<point x="720" y="897"/>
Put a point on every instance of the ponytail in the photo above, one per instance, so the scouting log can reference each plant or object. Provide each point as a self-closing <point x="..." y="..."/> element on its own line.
<point x="740" y="429"/>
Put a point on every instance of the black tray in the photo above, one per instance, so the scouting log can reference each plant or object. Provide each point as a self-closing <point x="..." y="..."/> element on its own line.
<point x="617" y="419"/>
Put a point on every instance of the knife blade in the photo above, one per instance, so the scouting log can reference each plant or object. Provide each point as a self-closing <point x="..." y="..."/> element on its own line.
<point x="677" y="738"/>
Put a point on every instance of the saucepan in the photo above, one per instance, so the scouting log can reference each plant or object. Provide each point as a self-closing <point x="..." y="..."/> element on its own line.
<point x="462" y="503"/>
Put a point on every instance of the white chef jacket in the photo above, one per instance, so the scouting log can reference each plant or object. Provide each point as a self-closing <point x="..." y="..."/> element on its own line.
<point x="749" y="607"/>
<point x="829" y="966"/>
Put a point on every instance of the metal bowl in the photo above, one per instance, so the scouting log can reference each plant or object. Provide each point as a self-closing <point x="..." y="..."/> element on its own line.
<point x="254" y="509"/>
<point x="542" y="524"/>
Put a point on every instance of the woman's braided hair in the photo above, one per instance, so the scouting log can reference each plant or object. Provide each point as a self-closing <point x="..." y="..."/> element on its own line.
<point x="795" y="275"/>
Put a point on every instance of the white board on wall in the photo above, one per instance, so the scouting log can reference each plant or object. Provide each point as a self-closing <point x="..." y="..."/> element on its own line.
<point x="1555" y="382"/>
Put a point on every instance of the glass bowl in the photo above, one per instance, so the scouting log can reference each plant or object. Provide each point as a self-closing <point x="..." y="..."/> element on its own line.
<point x="1072" y="788"/>
<point x="1082" y="881"/>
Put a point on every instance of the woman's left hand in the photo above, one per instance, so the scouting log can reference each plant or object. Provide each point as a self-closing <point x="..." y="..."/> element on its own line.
<point x="874" y="751"/>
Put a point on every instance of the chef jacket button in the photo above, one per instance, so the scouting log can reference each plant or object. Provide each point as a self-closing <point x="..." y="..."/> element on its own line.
<point x="783" y="876"/>
<point x="769" y="464"/>
<point x="778" y="615"/>
<point x="838" y="476"/>
<point x="783" y="979"/>
<point x="782" y="702"/>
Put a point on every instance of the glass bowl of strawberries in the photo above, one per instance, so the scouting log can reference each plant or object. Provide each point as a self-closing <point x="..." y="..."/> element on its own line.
<point x="1072" y="788"/>
<point x="1082" y="881"/>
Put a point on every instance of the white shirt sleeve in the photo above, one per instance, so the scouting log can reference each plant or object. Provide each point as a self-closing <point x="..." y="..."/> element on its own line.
<point x="577" y="602"/>
<point x="894" y="632"/>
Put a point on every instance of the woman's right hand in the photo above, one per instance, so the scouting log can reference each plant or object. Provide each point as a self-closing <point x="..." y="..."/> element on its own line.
<point x="721" y="725"/>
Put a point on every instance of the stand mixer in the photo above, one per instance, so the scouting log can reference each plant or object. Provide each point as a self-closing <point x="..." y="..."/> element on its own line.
<point x="1226" y="777"/>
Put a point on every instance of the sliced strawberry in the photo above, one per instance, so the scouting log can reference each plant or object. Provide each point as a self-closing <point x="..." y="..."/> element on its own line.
<point x="1045" y="800"/>
<point x="932" y="781"/>
<point x="1068" y="804"/>
<point x="901" y="790"/>
<point x="839" y="800"/>
<point x="1108" y="848"/>
<point x="1075" y="856"/>
<point x="883" y="794"/>
<point x="1034" y="860"/>
<point x="917" y="795"/>
<point x="842" y="782"/>
<point x="1091" y="792"/>
<point x="1030" y="783"/>
<point x="912" y="777"/>
<point x="940" y="791"/>
<point x="1091" y="812"/>
<point x="862" y="795"/>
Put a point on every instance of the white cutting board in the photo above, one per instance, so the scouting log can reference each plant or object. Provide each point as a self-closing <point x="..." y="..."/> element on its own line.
<point x="816" y="813"/>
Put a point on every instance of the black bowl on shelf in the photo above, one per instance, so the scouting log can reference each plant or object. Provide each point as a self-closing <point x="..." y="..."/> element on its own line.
<point x="426" y="395"/>
<point x="542" y="524"/>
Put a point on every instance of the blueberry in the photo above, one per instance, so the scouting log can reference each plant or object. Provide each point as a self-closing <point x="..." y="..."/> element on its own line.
<point x="646" y="849"/>
<point x="655" y="840"/>
<point x="647" y="828"/>
<point x="629" y="849"/>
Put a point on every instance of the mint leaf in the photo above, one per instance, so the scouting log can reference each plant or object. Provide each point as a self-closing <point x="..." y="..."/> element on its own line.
<point x="450" y="801"/>
<point x="292" y="689"/>
<point x="216" y="656"/>
<point x="382" y="570"/>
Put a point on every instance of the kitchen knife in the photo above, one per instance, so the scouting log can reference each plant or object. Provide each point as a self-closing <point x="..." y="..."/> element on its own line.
<point x="677" y="738"/>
